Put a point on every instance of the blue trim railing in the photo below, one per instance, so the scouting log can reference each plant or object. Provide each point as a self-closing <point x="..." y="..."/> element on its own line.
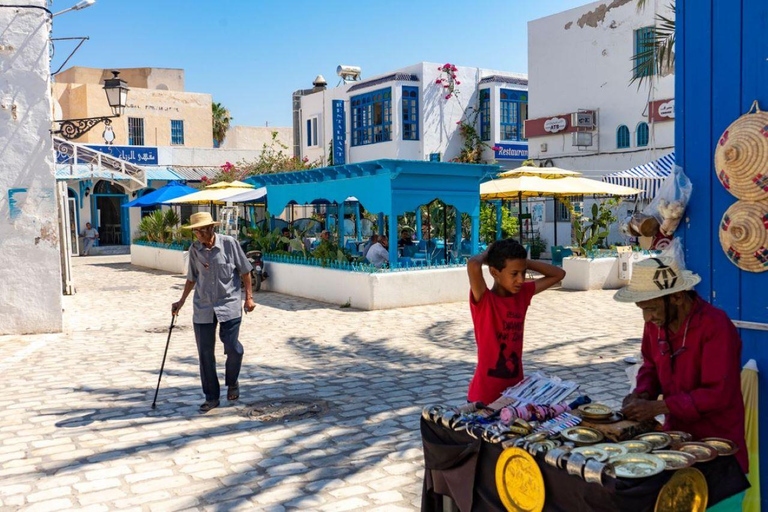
<point x="362" y="267"/>
<point x="174" y="246"/>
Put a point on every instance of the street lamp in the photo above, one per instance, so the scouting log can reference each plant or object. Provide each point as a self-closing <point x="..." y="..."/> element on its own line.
<point x="79" y="5"/>
<point x="116" y="90"/>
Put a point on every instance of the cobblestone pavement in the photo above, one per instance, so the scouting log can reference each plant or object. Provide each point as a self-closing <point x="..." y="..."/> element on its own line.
<point x="77" y="430"/>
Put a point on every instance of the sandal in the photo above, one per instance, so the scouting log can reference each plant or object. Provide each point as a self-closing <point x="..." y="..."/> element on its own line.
<point x="208" y="405"/>
<point x="233" y="392"/>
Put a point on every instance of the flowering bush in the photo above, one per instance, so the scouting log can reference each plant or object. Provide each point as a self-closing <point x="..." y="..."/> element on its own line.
<point x="472" y="150"/>
<point x="448" y="80"/>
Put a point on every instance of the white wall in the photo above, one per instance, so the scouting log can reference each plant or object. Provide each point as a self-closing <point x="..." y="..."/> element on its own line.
<point x="581" y="59"/>
<point x="437" y="118"/>
<point x="30" y="295"/>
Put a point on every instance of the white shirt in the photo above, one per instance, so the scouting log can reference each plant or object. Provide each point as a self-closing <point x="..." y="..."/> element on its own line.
<point x="378" y="255"/>
<point x="91" y="233"/>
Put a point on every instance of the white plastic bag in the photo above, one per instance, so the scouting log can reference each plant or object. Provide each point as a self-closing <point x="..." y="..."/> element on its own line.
<point x="675" y="251"/>
<point x="670" y="202"/>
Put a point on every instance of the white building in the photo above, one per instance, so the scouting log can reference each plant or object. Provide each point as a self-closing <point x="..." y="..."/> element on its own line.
<point x="405" y="114"/>
<point x="580" y="61"/>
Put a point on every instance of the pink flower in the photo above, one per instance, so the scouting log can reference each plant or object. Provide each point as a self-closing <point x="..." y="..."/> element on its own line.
<point x="439" y="81"/>
<point x="447" y="96"/>
<point x="458" y="122"/>
<point x="453" y="68"/>
<point x="204" y="178"/>
<point x="496" y="148"/>
<point x="447" y="65"/>
<point x="439" y="69"/>
<point x="305" y="159"/>
<point x="453" y="76"/>
<point x="458" y="83"/>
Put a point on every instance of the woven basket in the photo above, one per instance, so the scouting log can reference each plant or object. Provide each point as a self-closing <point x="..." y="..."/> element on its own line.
<point x="744" y="235"/>
<point x="741" y="157"/>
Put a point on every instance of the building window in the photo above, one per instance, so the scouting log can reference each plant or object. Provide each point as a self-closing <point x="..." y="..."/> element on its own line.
<point x="177" y="132"/>
<point x="410" y="113"/>
<point x="622" y="137"/>
<point x="644" y="64"/>
<point x="485" y="114"/>
<point x="312" y="132"/>
<point x="372" y="117"/>
<point x="642" y="134"/>
<point x="135" y="131"/>
<point x="514" y="112"/>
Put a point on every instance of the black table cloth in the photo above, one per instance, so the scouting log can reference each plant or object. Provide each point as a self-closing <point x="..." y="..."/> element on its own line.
<point x="464" y="468"/>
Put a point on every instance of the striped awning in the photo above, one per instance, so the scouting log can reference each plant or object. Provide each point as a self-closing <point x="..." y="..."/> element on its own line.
<point x="91" y="171"/>
<point x="647" y="177"/>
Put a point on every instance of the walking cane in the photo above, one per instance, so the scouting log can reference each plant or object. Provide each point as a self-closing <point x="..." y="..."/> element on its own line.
<point x="167" y="343"/>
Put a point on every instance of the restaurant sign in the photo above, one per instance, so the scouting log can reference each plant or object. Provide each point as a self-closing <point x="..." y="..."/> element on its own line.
<point x="139" y="155"/>
<point x="511" y="152"/>
<point x="339" y="133"/>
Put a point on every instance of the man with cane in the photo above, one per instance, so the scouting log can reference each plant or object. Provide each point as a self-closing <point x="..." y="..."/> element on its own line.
<point x="216" y="264"/>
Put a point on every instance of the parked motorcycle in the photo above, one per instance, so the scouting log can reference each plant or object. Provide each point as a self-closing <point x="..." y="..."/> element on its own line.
<point x="259" y="273"/>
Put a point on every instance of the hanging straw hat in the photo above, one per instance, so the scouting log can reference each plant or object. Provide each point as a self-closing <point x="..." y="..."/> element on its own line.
<point x="654" y="278"/>
<point x="200" y="220"/>
<point x="741" y="157"/>
<point x="744" y="235"/>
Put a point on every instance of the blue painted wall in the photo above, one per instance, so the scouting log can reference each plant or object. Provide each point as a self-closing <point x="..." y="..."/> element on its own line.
<point x="722" y="67"/>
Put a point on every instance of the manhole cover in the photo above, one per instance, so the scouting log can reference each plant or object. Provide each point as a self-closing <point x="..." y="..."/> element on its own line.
<point x="285" y="409"/>
<point x="164" y="330"/>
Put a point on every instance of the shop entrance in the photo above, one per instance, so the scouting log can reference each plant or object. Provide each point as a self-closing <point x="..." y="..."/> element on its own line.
<point x="107" y="215"/>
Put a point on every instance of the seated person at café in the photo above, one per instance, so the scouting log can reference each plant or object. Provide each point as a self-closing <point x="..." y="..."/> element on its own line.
<point x="367" y="247"/>
<point x="286" y="233"/>
<point x="692" y="357"/>
<point x="378" y="254"/>
<point x="405" y="239"/>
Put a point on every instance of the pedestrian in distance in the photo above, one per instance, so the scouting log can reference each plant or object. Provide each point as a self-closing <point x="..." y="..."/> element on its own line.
<point x="216" y="265"/>
<point x="90" y="235"/>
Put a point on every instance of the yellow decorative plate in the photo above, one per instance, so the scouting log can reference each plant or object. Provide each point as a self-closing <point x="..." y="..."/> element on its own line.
<point x="596" y="411"/>
<point x="519" y="481"/>
<point x="686" y="490"/>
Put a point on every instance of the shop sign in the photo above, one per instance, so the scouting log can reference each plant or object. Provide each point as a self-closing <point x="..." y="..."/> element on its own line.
<point x="661" y="110"/>
<point x="511" y="152"/>
<point x="555" y="124"/>
<point x="339" y="133"/>
<point x="140" y="155"/>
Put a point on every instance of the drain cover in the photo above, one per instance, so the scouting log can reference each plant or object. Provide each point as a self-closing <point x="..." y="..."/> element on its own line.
<point x="164" y="330"/>
<point x="285" y="409"/>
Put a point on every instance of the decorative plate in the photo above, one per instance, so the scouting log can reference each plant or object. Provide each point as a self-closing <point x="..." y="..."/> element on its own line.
<point x="637" y="465"/>
<point x="676" y="460"/>
<point x="596" y="411"/>
<point x="582" y="435"/>
<point x="613" y="449"/>
<point x="678" y="436"/>
<point x="592" y="452"/>
<point x="635" y="446"/>
<point x="536" y="438"/>
<point x="702" y="451"/>
<point x="519" y="481"/>
<point x="657" y="440"/>
<point x="686" y="490"/>
<point x="724" y="447"/>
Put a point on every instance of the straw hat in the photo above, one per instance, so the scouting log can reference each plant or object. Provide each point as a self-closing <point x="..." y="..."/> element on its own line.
<point x="741" y="157"/>
<point x="201" y="220"/>
<point x="744" y="235"/>
<point x="654" y="278"/>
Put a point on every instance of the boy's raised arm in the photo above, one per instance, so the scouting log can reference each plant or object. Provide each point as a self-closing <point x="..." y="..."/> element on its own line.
<point x="552" y="275"/>
<point x="476" y="279"/>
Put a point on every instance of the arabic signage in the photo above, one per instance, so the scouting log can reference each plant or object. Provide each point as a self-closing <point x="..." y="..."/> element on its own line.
<point x="661" y="110"/>
<point x="140" y="155"/>
<point x="339" y="133"/>
<point x="554" y="125"/>
<point x="511" y="152"/>
<point x="560" y="123"/>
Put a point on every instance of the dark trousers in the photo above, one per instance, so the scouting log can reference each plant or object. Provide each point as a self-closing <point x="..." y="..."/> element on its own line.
<point x="205" y="334"/>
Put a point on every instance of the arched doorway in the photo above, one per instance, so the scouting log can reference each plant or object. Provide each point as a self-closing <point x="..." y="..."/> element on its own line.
<point x="107" y="215"/>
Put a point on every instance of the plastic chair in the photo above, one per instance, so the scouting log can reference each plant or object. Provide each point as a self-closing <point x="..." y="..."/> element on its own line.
<point x="409" y="251"/>
<point x="352" y="246"/>
<point x="558" y="253"/>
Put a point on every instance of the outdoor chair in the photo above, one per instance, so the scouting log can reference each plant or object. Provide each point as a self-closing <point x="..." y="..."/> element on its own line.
<point x="558" y="253"/>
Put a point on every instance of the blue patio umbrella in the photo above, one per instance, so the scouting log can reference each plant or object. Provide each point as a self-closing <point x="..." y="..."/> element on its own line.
<point x="170" y="191"/>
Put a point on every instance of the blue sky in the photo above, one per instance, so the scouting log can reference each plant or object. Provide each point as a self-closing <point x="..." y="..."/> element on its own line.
<point x="251" y="54"/>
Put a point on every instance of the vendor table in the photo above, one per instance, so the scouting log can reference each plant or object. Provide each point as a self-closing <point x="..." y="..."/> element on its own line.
<point x="464" y="468"/>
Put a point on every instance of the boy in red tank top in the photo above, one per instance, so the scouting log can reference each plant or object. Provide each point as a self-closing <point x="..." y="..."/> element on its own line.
<point x="498" y="314"/>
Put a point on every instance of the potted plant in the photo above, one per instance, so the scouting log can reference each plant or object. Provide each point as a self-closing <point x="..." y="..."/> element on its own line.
<point x="161" y="243"/>
<point x="538" y="246"/>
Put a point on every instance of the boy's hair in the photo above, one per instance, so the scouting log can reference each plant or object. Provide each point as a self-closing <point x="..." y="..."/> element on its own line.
<point x="503" y="250"/>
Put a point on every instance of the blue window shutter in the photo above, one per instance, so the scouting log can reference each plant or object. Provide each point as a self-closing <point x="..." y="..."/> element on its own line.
<point x="642" y="134"/>
<point x="309" y="132"/>
<point x="622" y="137"/>
<point x="371" y="117"/>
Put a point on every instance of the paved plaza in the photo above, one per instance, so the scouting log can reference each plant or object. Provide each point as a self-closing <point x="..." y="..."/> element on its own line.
<point x="77" y="430"/>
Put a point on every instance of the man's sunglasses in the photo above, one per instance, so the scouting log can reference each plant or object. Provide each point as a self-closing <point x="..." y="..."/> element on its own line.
<point x="202" y="230"/>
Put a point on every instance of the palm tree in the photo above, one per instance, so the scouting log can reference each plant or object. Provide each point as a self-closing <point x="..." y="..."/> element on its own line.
<point x="221" y="122"/>
<point x="656" y="55"/>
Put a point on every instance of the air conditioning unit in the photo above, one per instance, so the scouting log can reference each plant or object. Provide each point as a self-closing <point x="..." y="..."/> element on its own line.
<point x="584" y="119"/>
<point x="582" y="139"/>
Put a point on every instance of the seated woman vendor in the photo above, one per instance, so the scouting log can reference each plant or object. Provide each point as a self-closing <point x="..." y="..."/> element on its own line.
<point x="692" y="357"/>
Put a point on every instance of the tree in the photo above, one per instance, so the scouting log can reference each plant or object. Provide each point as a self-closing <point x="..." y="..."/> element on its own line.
<point x="656" y="55"/>
<point x="221" y="121"/>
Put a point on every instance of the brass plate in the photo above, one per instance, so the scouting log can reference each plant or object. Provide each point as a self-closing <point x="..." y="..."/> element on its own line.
<point x="676" y="460"/>
<point x="637" y="465"/>
<point x="613" y="449"/>
<point x="678" y="436"/>
<point x="536" y="438"/>
<point x="582" y="435"/>
<point x="657" y="440"/>
<point x="596" y="411"/>
<point x="724" y="447"/>
<point x="635" y="446"/>
<point x="592" y="452"/>
<point x="686" y="490"/>
<point x="702" y="451"/>
<point x="519" y="481"/>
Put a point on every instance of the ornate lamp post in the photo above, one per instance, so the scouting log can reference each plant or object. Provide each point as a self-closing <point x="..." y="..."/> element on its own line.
<point x="117" y="97"/>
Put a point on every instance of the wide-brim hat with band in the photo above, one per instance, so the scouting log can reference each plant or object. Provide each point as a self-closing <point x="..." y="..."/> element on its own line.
<point x="654" y="278"/>
<point x="744" y="235"/>
<point x="741" y="157"/>
<point x="200" y="220"/>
